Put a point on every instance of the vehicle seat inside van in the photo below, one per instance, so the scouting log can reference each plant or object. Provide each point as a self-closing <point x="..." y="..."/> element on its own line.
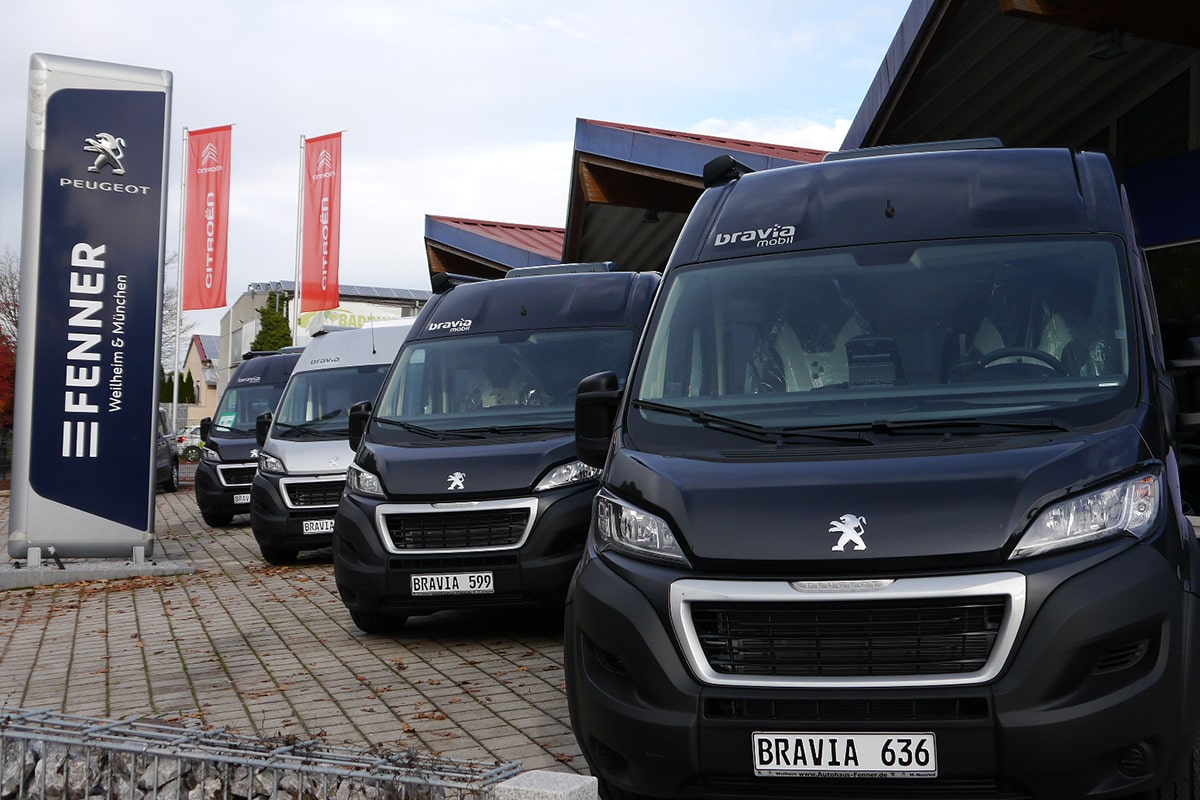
<point x="782" y="363"/>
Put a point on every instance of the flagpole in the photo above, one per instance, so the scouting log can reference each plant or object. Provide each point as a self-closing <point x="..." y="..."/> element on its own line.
<point x="179" y="280"/>
<point x="295" y="315"/>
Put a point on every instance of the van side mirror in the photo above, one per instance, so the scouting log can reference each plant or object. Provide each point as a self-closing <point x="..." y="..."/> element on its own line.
<point x="360" y="414"/>
<point x="596" y="401"/>
<point x="205" y="428"/>
<point x="262" y="424"/>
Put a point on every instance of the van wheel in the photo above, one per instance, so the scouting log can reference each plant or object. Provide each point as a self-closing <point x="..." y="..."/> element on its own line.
<point x="278" y="555"/>
<point x="1186" y="785"/>
<point x="610" y="792"/>
<point x="215" y="519"/>
<point x="172" y="483"/>
<point x="374" y="622"/>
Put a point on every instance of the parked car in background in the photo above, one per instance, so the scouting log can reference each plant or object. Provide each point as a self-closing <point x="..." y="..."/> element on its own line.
<point x="166" y="474"/>
<point x="188" y="443"/>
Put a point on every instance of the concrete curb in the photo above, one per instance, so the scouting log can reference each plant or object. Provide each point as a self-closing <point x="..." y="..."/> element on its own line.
<point x="14" y="576"/>
<point x="546" y="785"/>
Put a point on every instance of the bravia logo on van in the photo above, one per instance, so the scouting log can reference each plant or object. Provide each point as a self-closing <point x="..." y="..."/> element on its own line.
<point x="250" y="379"/>
<point x="851" y="528"/>
<point x="453" y="325"/>
<point x="326" y="360"/>
<point x="762" y="237"/>
<point x="457" y="480"/>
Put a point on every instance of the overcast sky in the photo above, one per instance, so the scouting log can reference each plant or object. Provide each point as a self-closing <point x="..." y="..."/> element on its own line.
<point x="463" y="109"/>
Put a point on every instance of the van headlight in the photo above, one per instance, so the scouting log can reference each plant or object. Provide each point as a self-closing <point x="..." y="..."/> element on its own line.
<point x="631" y="530"/>
<point x="269" y="463"/>
<point x="1129" y="507"/>
<point x="208" y="454"/>
<point x="565" y="475"/>
<point x="359" y="481"/>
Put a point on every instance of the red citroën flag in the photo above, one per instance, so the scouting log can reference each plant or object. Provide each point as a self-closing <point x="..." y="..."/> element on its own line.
<point x="206" y="218"/>
<point x="321" y="222"/>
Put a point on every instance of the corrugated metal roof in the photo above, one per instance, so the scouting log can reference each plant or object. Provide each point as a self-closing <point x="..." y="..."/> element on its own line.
<point x="805" y="155"/>
<point x="346" y="291"/>
<point x="540" y="239"/>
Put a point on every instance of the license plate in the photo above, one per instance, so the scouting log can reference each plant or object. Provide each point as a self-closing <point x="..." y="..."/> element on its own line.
<point x="318" y="526"/>
<point x="241" y="499"/>
<point x="453" y="583"/>
<point x="860" y="755"/>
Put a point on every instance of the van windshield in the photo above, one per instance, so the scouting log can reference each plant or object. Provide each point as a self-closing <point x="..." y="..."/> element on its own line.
<point x="523" y="380"/>
<point x="987" y="330"/>
<point x="316" y="403"/>
<point x="241" y="405"/>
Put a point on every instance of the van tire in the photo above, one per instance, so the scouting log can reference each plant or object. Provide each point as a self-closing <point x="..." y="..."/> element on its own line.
<point x="1186" y="785"/>
<point x="609" y="792"/>
<point x="374" y="622"/>
<point x="215" y="519"/>
<point x="278" y="555"/>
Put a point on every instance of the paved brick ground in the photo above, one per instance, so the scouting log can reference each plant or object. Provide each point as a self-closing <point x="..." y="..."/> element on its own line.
<point x="265" y="651"/>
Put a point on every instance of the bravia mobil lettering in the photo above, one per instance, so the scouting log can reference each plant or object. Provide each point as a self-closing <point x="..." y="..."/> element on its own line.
<point x="762" y="237"/>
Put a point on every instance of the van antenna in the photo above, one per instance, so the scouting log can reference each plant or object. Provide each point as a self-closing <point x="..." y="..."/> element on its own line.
<point x="371" y="324"/>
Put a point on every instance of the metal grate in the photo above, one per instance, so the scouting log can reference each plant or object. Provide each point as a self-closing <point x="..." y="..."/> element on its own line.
<point x="48" y="755"/>
<point x="315" y="493"/>
<point x="849" y="639"/>
<point x="457" y="530"/>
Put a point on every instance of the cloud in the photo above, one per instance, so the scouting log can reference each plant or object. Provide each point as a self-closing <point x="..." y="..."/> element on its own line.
<point x="794" y="131"/>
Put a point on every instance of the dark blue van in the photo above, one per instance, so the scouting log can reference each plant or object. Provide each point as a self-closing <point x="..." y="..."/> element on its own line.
<point x="465" y="491"/>
<point x="890" y="505"/>
<point x="229" y="458"/>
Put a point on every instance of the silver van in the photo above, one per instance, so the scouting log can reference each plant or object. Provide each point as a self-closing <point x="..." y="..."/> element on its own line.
<point x="304" y="446"/>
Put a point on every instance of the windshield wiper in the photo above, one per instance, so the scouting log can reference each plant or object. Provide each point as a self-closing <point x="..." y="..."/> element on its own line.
<point x="309" y="427"/>
<point x="533" y="428"/>
<point x="749" y="430"/>
<point x="966" y="426"/>
<point x="432" y="433"/>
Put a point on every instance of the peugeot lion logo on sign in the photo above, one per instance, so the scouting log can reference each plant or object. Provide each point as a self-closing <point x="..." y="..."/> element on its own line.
<point x="851" y="528"/>
<point x="457" y="481"/>
<point x="110" y="150"/>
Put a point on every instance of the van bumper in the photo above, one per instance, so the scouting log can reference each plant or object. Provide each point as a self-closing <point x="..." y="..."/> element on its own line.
<point x="279" y="525"/>
<point x="372" y="579"/>
<point x="1052" y="724"/>
<point x="213" y="496"/>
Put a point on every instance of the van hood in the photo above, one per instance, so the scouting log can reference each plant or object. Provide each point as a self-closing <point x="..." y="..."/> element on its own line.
<point x="486" y="467"/>
<point x="937" y="504"/>
<point x="312" y="456"/>
<point x="234" y="448"/>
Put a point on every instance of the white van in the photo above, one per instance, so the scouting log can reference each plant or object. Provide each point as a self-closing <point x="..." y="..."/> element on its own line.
<point x="304" y="446"/>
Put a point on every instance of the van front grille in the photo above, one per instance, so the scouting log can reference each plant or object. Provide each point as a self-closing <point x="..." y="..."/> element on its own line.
<point x="315" y="493"/>
<point x="457" y="530"/>
<point x="929" y="636"/>
<point x="238" y="475"/>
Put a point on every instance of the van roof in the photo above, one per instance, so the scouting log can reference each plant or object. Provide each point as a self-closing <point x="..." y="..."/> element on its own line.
<point x="538" y="302"/>
<point x="271" y="367"/>
<point x="903" y="196"/>
<point x="372" y="344"/>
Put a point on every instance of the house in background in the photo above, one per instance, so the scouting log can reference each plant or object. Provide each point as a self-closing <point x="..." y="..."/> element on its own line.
<point x="203" y="364"/>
